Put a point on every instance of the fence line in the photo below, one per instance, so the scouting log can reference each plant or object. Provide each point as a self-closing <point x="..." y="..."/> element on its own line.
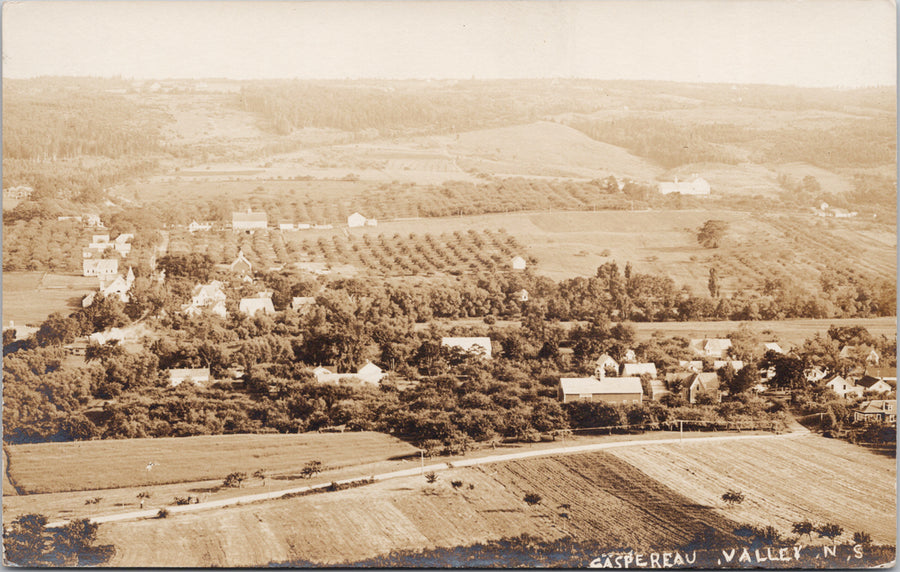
<point x="673" y="424"/>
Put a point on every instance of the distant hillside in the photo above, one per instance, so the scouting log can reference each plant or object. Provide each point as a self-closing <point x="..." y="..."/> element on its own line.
<point x="545" y="148"/>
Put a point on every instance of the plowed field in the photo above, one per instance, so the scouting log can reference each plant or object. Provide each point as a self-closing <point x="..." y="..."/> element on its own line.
<point x="808" y="477"/>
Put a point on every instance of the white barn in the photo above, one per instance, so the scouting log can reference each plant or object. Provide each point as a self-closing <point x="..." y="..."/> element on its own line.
<point x="249" y="221"/>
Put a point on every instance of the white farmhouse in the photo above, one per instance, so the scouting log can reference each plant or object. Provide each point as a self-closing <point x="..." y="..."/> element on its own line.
<point x="696" y="187"/>
<point x="100" y="267"/>
<point x="356" y="220"/>
<point x="197" y="376"/>
<point x="261" y="303"/>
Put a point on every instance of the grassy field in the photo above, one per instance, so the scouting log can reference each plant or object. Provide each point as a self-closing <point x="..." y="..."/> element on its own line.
<point x="808" y="477"/>
<point x="787" y="332"/>
<point x="632" y="498"/>
<point x="29" y="297"/>
<point x="91" y="465"/>
<point x="545" y="148"/>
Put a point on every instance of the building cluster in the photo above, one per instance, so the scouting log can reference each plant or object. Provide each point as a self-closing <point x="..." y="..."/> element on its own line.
<point x="632" y="382"/>
<point x="88" y="219"/>
<point x="101" y="256"/>
<point x="827" y="211"/>
<point x="250" y="222"/>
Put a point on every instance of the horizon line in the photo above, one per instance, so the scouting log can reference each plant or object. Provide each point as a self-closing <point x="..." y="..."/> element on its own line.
<point x="449" y="78"/>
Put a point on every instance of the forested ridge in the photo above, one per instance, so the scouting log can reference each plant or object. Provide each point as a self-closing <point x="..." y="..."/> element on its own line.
<point x="51" y="125"/>
<point x="857" y="143"/>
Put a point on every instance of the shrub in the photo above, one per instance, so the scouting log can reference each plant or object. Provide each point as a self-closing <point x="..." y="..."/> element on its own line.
<point x="533" y="498"/>
<point x="163" y="513"/>
<point x="862" y="538"/>
<point x="830" y="531"/>
<point x="311" y="469"/>
<point x="804" y="528"/>
<point x="733" y="497"/>
<point x="235" y="479"/>
<point x="769" y="535"/>
<point x="430" y="477"/>
<point x="182" y="500"/>
<point x="456" y="484"/>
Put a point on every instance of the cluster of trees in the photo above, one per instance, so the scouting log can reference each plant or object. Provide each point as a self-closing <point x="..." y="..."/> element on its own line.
<point x="28" y="543"/>
<point x="871" y="194"/>
<point x="666" y="142"/>
<point x="50" y="127"/>
<point x="54" y="125"/>
<point x="856" y="143"/>
<point x="702" y="551"/>
<point x="743" y="408"/>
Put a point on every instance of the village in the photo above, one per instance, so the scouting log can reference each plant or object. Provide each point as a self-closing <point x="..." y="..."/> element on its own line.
<point x="705" y="377"/>
<point x="307" y="286"/>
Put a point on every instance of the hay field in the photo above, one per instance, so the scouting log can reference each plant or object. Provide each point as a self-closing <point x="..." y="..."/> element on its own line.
<point x="807" y="477"/>
<point x="29" y="297"/>
<point x="91" y="465"/>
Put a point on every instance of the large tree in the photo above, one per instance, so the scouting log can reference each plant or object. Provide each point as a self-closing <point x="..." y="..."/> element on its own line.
<point x="711" y="233"/>
<point x="58" y="330"/>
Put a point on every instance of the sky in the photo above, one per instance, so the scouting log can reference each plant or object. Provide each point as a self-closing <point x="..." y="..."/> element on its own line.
<point x="829" y="43"/>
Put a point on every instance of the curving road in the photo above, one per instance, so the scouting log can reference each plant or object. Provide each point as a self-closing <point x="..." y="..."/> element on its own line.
<point x="798" y="431"/>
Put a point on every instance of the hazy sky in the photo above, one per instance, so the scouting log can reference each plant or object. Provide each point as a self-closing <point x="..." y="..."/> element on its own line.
<point x="801" y="42"/>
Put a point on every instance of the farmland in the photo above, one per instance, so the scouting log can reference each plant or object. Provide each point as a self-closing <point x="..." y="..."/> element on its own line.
<point x="804" y="477"/>
<point x="567" y="244"/>
<point x="29" y="297"/>
<point x="461" y="178"/>
<point x="107" y="464"/>
<point x="622" y="499"/>
<point x="301" y="199"/>
<point x="407" y="513"/>
<point x="283" y="474"/>
<point x="787" y="332"/>
<point x="379" y="253"/>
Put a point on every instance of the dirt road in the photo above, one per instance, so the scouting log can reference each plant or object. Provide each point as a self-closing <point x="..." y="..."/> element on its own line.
<point x="798" y="431"/>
